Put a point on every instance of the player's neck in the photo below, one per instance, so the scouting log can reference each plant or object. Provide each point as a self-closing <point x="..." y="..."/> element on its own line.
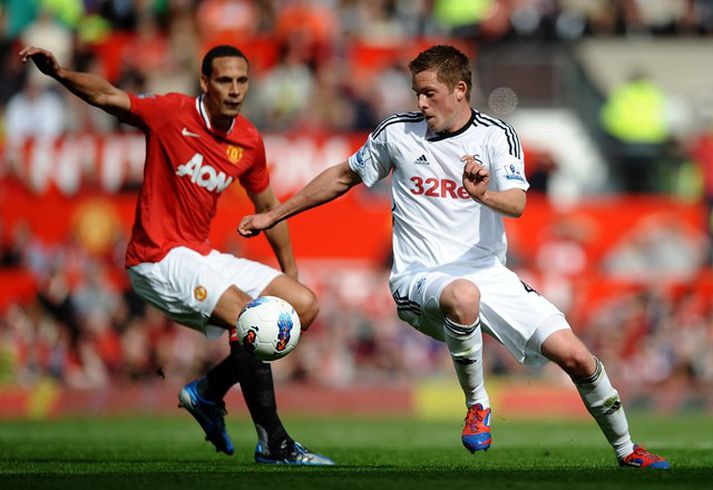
<point x="461" y="119"/>
<point x="218" y="121"/>
<point x="222" y="124"/>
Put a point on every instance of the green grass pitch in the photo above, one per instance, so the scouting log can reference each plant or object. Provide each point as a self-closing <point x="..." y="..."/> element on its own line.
<point x="140" y="452"/>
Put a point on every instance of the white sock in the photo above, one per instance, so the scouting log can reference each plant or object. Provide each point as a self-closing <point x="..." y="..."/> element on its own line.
<point x="602" y="401"/>
<point x="465" y="343"/>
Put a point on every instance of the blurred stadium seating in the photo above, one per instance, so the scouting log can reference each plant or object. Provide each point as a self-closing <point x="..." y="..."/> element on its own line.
<point x="617" y="234"/>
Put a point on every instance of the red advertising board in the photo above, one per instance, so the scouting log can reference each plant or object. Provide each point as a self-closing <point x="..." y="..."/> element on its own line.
<point x="86" y="185"/>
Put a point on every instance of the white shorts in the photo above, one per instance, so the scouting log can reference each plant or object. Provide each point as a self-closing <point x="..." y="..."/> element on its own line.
<point x="186" y="285"/>
<point x="511" y="312"/>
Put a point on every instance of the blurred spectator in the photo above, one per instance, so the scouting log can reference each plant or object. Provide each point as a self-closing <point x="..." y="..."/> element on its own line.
<point x="563" y="256"/>
<point x="95" y="294"/>
<point x="226" y="21"/>
<point x="46" y="31"/>
<point x="393" y="89"/>
<point x="182" y="56"/>
<point x="36" y="112"/>
<point x="10" y="256"/>
<point x="380" y="21"/>
<point x="634" y="112"/>
<point x="285" y="92"/>
<point x="12" y="69"/>
<point x="28" y="250"/>
<point x="541" y="165"/>
<point x="661" y="16"/>
<point x="309" y="27"/>
<point x="580" y="16"/>
<point x="344" y="103"/>
<point x="68" y="12"/>
<point x="121" y="14"/>
<point x="147" y="52"/>
<point x="486" y="19"/>
<point x="659" y="249"/>
<point x="703" y="11"/>
<point x="634" y="116"/>
<point x="17" y="15"/>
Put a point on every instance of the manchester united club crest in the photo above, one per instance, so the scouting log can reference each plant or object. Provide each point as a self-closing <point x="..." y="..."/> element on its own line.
<point x="235" y="153"/>
<point x="200" y="293"/>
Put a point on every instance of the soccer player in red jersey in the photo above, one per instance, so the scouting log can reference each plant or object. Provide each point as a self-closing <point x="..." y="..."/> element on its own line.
<point x="195" y="148"/>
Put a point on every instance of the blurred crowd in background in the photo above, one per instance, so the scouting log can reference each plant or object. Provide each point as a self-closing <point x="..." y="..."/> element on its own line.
<point x="307" y="73"/>
<point x="86" y="328"/>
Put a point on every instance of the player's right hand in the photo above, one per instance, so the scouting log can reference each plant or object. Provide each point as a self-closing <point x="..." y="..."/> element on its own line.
<point x="43" y="59"/>
<point x="253" y="224"/>
<point x="476" y="177"/>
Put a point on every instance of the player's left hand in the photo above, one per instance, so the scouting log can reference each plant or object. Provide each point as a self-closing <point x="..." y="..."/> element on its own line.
<point x="476" y="177"/>
<point x="44" y="59"/>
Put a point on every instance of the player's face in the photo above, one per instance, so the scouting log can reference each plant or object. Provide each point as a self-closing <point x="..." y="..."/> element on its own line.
<point x="226" y="87"/>
<point x="443" y="108"/>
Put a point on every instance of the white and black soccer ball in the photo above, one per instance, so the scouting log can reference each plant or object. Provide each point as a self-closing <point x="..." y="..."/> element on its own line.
<point x="268" y="328"/>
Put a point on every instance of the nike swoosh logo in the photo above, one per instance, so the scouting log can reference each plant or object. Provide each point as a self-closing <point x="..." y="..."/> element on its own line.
<point x="185" y="132"/>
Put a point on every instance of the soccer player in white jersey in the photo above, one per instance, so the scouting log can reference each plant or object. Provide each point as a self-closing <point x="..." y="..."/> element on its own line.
<point x="455" y="174"/>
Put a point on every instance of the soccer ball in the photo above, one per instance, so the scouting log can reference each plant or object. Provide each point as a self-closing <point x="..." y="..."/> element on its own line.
<point x="268" y="328"/>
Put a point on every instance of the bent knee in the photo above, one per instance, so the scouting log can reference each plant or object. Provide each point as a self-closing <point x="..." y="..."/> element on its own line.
<point x="564" y="348"/>
<point x="579" y="364"/>
<point x="306" y="305"/>
<point x="460" y="301"/>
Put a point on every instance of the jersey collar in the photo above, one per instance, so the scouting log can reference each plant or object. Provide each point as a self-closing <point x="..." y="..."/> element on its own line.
<point x="431" y="136"/>
<point x="203" y="113"/>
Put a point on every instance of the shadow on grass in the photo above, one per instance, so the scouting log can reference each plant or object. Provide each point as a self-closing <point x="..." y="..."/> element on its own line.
<point x="357" y="477"/>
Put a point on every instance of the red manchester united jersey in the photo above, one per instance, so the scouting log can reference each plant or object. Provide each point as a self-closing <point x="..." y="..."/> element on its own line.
<point x="188" y="165"/>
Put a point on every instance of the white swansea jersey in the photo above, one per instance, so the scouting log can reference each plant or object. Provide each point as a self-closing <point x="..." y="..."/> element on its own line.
<point x="435" y="221"/>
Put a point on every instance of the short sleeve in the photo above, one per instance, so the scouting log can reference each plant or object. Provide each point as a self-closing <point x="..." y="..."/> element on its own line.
<point x="506" y="162"/>
<point x="256" y="178"/>
<point x="153" y="110"/>
<point x="372" y="161"/>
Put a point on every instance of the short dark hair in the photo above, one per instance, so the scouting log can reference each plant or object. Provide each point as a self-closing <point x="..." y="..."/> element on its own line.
<point x="221" y="51"/>
<point x="450" y="65"/>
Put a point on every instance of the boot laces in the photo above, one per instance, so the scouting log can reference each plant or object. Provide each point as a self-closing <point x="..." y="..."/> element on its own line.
<point x="474" y="419"/>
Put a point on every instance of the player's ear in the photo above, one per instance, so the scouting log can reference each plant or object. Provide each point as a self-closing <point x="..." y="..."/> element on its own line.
<point x="461" y="89"/>
<point x="204" y="83"/>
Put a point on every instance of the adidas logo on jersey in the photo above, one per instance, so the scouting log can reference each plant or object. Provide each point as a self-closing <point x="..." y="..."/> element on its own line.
<point x="421" y="160"/>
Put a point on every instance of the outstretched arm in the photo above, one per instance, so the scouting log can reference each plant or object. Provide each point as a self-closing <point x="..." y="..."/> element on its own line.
<point x="327" y="186"/>
<point x="88" y="87"/>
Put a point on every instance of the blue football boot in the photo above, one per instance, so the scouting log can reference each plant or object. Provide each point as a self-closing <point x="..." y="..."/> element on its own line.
<point x="210" y="415"/>
<point x="290" y="453"/>
<point x="476" y="433"/>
